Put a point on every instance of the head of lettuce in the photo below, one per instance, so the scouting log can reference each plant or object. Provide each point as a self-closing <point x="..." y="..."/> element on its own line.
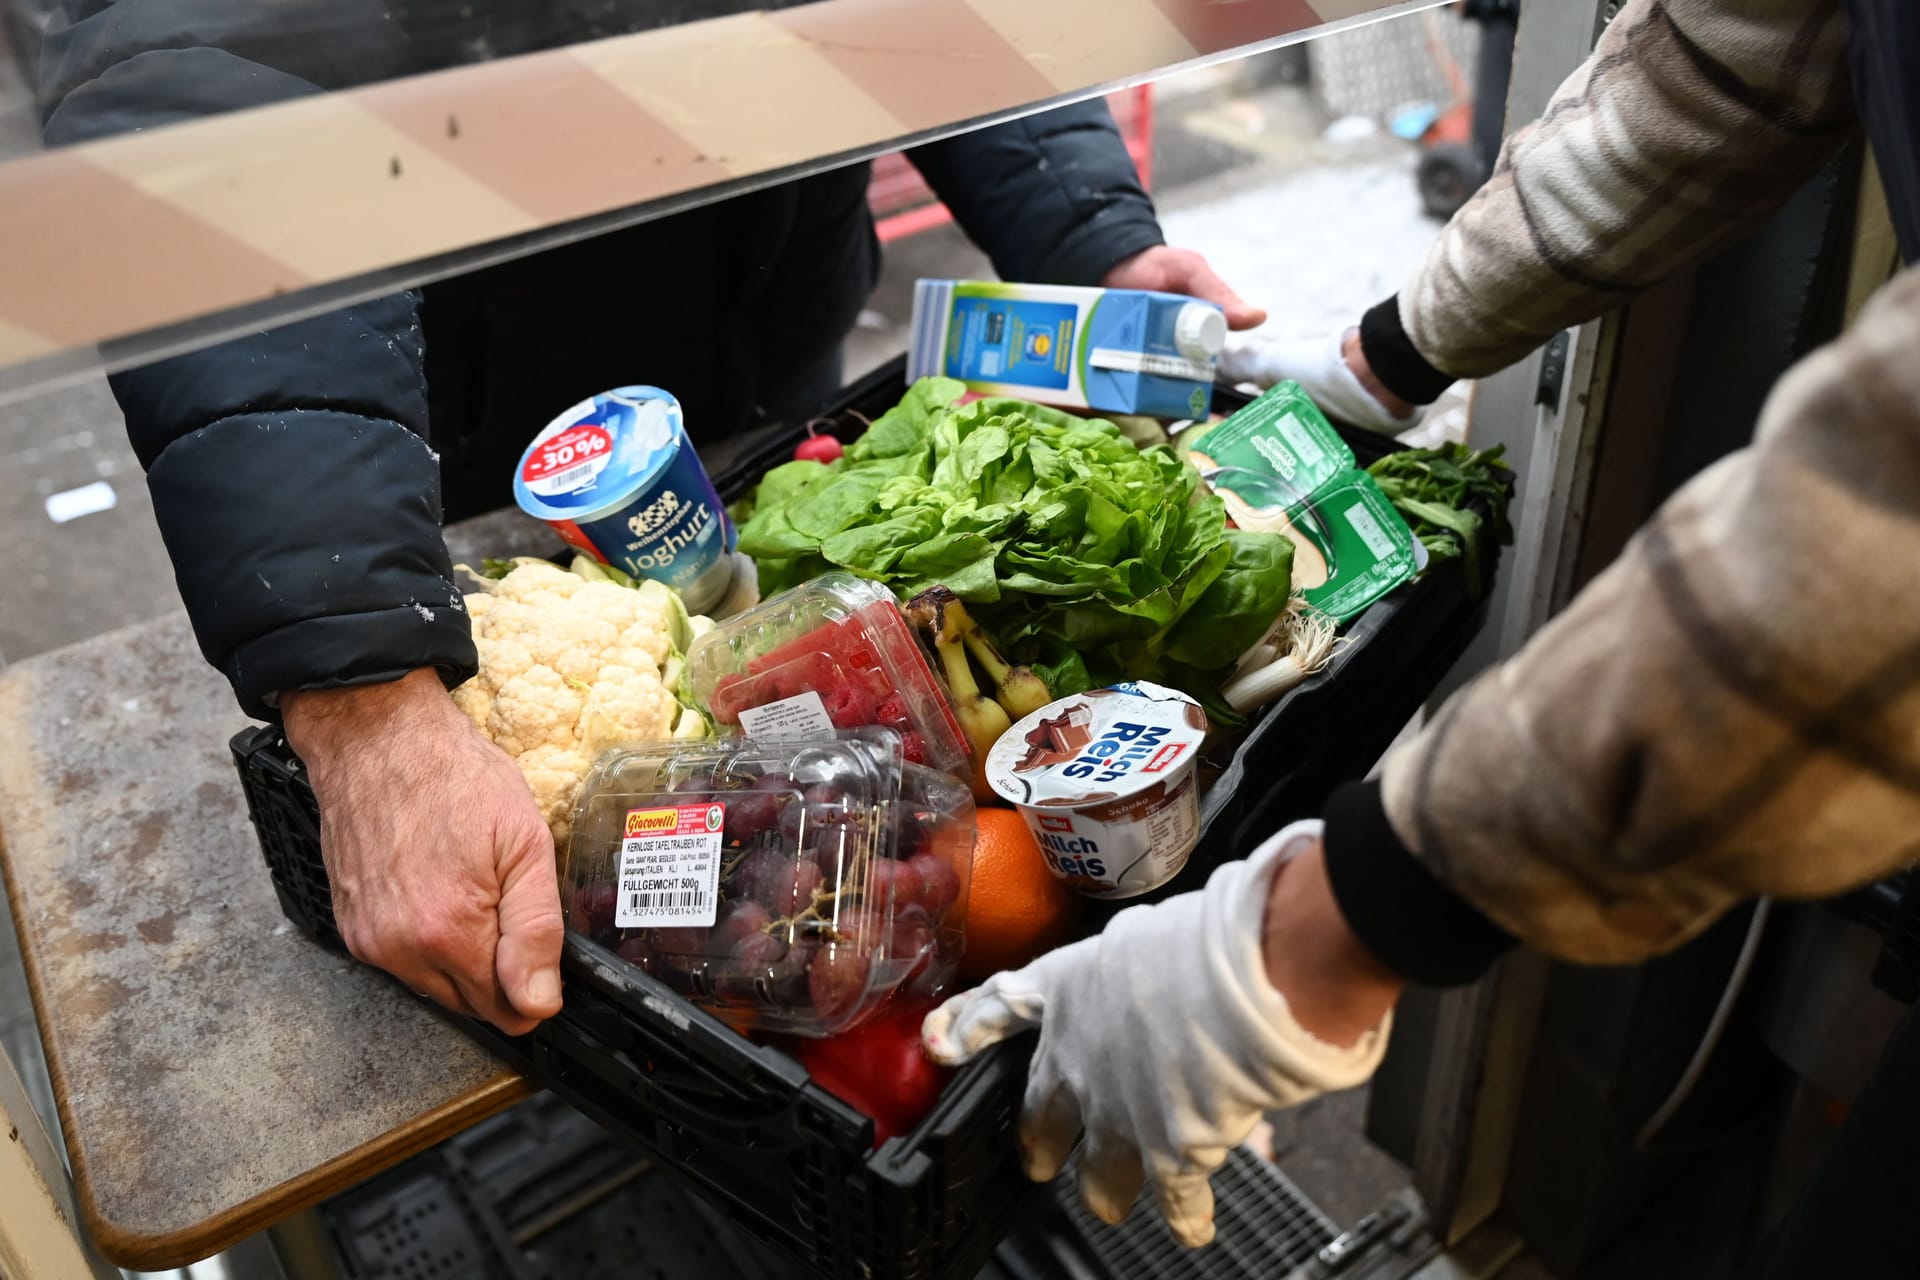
<point x="1089" y="558"/>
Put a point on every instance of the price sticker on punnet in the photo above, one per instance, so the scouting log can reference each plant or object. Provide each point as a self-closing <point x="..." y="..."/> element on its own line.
<point x="670" y="866"/>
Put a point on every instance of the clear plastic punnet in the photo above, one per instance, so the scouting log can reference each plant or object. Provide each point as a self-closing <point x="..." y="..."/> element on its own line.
<point x="788" y="885"/>
<point x="833" y="653"/>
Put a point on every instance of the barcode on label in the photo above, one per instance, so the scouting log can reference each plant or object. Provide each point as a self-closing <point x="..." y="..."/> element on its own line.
<point x="660" y="902"/>
<point x="570" y="476"/>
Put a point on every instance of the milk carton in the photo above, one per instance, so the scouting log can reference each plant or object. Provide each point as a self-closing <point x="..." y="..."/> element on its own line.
<point x="1111" y="350"/>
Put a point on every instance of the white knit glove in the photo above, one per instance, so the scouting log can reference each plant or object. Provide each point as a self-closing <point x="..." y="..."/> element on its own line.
<point x="1162" y="1038"/>
<point x="1316" y="364"/>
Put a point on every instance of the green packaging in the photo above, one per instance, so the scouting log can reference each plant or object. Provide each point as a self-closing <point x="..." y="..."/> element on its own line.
<point x="1280" y="466"/>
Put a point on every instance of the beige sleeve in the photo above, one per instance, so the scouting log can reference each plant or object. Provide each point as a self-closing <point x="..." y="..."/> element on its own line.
<point x="1692" y="119"/>
<point x="1732" y="709"/>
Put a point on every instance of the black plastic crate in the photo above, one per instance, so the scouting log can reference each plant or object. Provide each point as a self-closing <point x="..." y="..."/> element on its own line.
<point x="538" y="1193"/>
<point x="789" y="1161"/>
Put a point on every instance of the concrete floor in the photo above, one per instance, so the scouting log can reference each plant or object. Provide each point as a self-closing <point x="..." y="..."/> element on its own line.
<point x="1252" y="184"/>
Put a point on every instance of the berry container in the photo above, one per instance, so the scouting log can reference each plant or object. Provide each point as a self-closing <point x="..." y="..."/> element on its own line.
<point x="833" y="653"/>
<point x="785" y="885"/>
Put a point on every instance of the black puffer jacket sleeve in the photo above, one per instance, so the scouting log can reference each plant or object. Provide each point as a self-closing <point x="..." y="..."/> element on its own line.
<point x="290" y="473"/>
<point x="1052" y="198"/>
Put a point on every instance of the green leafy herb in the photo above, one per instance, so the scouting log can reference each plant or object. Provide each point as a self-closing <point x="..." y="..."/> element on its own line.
<point x="1086" y="556"/>
<point x="1435" y="489"/>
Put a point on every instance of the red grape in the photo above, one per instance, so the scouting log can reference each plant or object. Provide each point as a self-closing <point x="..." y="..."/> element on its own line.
<point x="752" y="814"/>
<point x="679" y="943"/>
<point x="635" y="950"/>
<point x="741" y="920"/>
<point x="798" y="820"/>
<point x="756" y="951"/>
<point x="806" y="883"/>
<point x="838" y="978"/>
<point x="834" y="851"/>
<point x="680" y="957"/>
<point x="834" y="815"/>
<point x="861" y="925"/>
<point x="762" y="875"/>
<point x="831" y="794"/>
<point x="940" y="887"/>
<point x="913" y="832"/>
<point x="836" y="836"/>
<point x="892" y="884"/>
<point x="776" y="881"/>
<point x="593" y="910"/>
<point x="756" y="963"/>
<point x="912" y="934"/>
<point x="786" y="983"/>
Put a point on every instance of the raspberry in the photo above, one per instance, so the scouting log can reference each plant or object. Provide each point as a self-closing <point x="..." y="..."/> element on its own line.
<point x="848" y="708"/>
<point x="893" y="713"/>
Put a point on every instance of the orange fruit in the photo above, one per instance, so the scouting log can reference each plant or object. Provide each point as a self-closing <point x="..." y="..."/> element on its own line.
<point x="1016" y="908"/>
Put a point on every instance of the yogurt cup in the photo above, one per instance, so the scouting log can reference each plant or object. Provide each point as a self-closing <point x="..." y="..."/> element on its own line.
<point x="1105" y="781"/>
<point x="617" y="477"/>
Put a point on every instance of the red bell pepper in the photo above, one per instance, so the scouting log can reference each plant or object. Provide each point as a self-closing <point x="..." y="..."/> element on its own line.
<point x="880" y="1068"/>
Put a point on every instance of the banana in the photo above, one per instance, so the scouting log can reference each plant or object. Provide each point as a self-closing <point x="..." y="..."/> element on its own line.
<point x="938" y="613"/>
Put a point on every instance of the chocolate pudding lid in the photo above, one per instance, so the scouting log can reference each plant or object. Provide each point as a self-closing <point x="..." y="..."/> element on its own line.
<point x="1098" y="746"/>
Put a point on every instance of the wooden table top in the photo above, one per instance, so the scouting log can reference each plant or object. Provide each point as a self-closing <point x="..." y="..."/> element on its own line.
<point x="215" y="1071"/>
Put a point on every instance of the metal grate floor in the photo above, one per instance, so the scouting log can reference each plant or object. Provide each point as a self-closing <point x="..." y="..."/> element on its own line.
<point x="1265" y="1228"/>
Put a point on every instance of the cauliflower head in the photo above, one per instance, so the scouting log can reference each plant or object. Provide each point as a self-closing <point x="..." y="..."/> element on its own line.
<point x="571" y="663"/>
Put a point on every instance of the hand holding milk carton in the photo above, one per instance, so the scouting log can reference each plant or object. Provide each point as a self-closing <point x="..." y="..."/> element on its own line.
<point x="1125" y="351"/>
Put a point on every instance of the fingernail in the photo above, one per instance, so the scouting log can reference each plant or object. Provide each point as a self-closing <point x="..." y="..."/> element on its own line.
<point x="543" y="989"/>
<point x="1039" y="1166"/>
<point x="1097" y="1201"/>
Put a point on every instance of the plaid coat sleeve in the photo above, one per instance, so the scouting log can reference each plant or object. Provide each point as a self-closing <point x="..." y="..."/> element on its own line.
<point x="1731" y="709"/>
<point x="1691" y="121"/>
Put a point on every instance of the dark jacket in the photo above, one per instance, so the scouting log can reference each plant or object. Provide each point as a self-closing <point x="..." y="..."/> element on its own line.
<point x="290" y="471"/>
